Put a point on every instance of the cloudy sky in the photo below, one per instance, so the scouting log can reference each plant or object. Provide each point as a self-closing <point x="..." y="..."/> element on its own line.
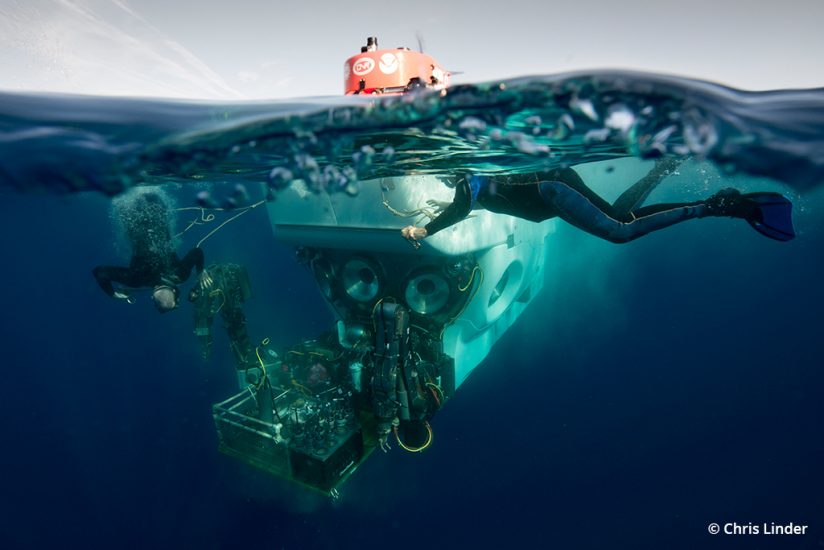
<point x="254" y="49"/>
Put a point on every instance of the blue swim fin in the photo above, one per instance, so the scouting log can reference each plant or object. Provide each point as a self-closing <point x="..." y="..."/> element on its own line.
<point x="772" y="216"/>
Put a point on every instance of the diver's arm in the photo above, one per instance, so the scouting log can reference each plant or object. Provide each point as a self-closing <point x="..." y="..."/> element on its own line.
<point x="452" y="214"/>
<point x="104" y="279"/>
<point x="193" y="259"/>
<point x="106" y="275"/>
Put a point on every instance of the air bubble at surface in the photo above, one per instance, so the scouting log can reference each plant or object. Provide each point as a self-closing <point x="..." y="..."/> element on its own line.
<point x="584" y="107"/>
<point x="525" y="144"/>
<point x="472" y="123"/>
<point x="280" y="178"/>
<point x="333" y="178"/>
<point x="241" y="194"/>
<point x="563" y="127"/>
<point x="362" y="159"/>
<point x="205" y="200"/>
<point x="700" y="138"/>
<point x="596" y="136"/>
<point x="620" y="118"/>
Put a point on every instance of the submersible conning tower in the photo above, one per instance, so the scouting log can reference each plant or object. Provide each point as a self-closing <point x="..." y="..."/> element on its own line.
<point x="412" y="323"/>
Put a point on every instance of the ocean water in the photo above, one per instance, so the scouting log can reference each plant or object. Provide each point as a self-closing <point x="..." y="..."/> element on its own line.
<point x="651" y="389"/>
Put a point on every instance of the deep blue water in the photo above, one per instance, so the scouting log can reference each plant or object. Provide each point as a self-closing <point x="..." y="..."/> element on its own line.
<point x="701" y="403"/>
<point x="653" y="388"/>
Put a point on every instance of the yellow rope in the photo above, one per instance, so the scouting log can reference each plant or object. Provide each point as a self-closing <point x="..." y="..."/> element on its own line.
<point x="437" y="388"/>
<point x="413" y="449"/>
<point x="471" y="278"/>
<point x="262" y="365"/>
<point x="466" y="304"/>
<point x="301" y="387"/>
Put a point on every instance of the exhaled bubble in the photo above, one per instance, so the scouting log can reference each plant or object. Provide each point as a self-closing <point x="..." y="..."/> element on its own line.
<point x="563" y="127"/>
<point x="241" y="194"/>
<point x="471" y="123"/>
<point x="306" y="137"/>
<point x="333" y="178"/>
<point x="584" y="107"/>
<point x="700" y="135"/>
<point x="280" y="178"/>
<point x="620" y="118"/>
<point x="596" y="136"/>
<point x="362" y="159"/>
<point x="526" y="144"/>
<point x="205" y="200"/>
<point x="535" y="122"/>
<point x="307" y="169"/>
<point x="352" y="189"/>
<point x="659" y="140"/>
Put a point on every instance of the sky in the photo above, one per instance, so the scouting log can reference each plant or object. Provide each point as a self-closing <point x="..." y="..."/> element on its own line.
<point x="254" y="49"/>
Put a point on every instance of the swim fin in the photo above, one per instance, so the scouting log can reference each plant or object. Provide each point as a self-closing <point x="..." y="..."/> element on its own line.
<point x="772" y="215"/>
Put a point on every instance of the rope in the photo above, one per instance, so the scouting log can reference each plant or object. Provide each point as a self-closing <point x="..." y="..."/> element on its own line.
<point x="204" y="218"/>
<point x="471" y="278"/>
<point x="414" y="449"/>
<point x="469" y="300"/>
<point x="406" y="213"/>
<point x="264" y="378"/>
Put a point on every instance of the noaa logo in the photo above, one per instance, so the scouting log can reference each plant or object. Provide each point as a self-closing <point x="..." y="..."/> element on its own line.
<point x="363" y="66"/>
<point x="388" y="63"/>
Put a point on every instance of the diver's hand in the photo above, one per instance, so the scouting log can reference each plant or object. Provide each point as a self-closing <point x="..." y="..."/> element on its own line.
<point x="120" y="295"/>
<point x="205" y="282"/>
<point x="413" y="233"/>
<point x="437" y="206"/>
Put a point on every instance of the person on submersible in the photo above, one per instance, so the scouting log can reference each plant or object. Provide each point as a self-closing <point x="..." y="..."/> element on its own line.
<point x="154" y="263"/>
<point x="562" y="193"/>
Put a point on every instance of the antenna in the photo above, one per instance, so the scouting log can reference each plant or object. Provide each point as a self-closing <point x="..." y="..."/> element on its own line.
<point x="419" y="36"/>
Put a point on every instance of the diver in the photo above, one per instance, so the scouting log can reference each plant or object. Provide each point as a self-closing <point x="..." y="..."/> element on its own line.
<point x="562" y="193"/>
<point x="229" y="289"/>
<point x="154" y="263"/>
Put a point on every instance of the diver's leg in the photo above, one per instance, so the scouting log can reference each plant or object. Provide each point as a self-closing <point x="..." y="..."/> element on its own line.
<point x="579" y="210"/>
<point x="204" y="308"/>
<point x="235" y="323"/>
<point x="571" y="179"/>
<point x="640" y="190"/>
<point x="106" y="275"/>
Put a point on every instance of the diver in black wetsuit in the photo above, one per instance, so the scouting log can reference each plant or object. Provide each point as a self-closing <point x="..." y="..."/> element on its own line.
<point x="154" y="262"/>
<point x="562" y="193"/>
